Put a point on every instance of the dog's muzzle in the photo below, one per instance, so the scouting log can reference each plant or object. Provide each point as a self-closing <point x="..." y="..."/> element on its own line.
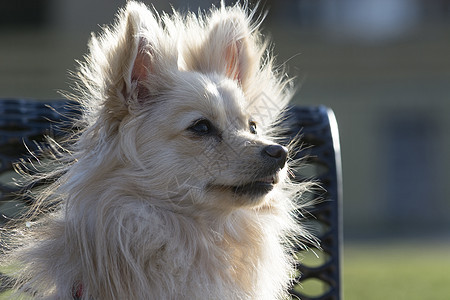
<point x="274" y="157"/>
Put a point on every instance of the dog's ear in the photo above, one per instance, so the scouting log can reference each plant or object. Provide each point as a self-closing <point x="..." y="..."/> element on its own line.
<point x="136" y="62"/>
<point x="237" y="59"/>
<point x="123" y="58"/>
<point x="228" y="46"/>
<point x="134" y="57"/>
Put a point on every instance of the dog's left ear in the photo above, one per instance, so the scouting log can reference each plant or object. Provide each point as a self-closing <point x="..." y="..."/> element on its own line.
<point x="228" y="47"/>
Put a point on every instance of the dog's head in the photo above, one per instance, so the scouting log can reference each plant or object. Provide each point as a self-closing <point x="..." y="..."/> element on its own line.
<point x="189" y="104"/>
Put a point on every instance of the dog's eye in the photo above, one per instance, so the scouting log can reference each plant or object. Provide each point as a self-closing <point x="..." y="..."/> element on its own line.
<point x="201" y="127"/>
<point x="252" y="126"/>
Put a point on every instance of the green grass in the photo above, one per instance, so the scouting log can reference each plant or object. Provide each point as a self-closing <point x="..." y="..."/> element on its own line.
<point x="5" y="295"/>
<point x="399" y="271"/>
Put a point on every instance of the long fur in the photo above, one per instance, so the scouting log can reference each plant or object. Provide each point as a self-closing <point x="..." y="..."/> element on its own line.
<point x="136" y="216"/>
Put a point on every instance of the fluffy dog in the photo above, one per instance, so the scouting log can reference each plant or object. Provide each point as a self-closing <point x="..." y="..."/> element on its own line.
<point x="174" y="188"/>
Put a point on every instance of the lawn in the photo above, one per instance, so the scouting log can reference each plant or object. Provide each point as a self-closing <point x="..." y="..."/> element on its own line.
<point x="409" y="271"/>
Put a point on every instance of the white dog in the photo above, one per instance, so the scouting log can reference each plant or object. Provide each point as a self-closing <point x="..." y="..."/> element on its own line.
<point x="174" y="187"/>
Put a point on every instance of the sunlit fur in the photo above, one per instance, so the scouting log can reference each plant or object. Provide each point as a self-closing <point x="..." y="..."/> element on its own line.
<point x="143" y="208"/>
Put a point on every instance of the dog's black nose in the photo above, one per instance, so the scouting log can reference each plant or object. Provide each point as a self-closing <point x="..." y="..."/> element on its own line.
<point x="277" y="152"/>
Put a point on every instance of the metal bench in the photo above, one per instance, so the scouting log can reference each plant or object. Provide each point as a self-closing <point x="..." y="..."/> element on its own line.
<point x="23" y="124"/>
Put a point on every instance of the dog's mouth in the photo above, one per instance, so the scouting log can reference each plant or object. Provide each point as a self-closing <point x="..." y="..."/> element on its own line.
<point x="258" y="187"/>
<point x="255" y="188"/>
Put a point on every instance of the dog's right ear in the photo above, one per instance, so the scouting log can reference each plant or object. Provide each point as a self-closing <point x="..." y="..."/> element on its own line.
<point x="124" y="58"/>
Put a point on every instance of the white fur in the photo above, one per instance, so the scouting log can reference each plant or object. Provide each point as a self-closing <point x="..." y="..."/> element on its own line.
<point x="137" y="217"/>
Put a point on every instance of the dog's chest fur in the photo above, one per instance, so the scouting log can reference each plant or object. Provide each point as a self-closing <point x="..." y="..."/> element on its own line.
<point x="235" y="258"/>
